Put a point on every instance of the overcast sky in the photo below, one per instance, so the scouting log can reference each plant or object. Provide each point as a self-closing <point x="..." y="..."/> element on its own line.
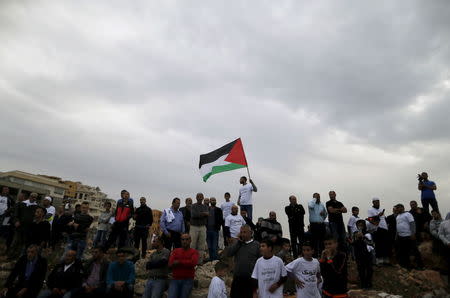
<point x="325" y="95"/>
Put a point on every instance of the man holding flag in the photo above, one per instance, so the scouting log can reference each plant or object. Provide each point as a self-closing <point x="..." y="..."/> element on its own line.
<point x="245" y="196"/>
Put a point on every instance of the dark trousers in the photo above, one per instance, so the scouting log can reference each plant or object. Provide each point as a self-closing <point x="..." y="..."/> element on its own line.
<point x="118" y="230"/>
<point x="212" y="239"/>
<point x="31" y="293"/>
<point x="338" y="231"/>
<point x="172" y="241"/>
<point x="406" y="247"/>
<point x="127" y="292"/>
<point x="297" y="235"/>
<point x="241" y="287"/>
<point x="382" y="240"/>
<point x="318" y="231"/>
<point x="427" y="202"/>
<point x="365" y="270"/>
<point x="96" y="293"/>
<point x="141" y="235"/>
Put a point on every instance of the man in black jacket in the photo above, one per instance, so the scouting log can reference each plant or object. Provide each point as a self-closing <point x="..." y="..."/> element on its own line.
<point x="215" y="220"/>
<point x="30" y="272"/>
<point x="295" y="214"/>
<point x="65" y="278"/>
<point x="144" y="219"/>
<point x="94" y="280"/>
<point x="80" y="227"/>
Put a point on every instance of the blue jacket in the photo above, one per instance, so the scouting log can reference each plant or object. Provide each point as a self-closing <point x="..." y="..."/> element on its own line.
<point x="124" y="272"/>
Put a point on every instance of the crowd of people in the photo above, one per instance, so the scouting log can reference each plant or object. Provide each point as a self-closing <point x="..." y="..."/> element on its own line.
<point x="311" y="263"/>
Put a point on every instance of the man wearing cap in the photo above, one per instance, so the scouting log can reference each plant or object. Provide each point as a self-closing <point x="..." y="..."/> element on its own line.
<point x="47" y="204"/>
<point x="381" y="235"/>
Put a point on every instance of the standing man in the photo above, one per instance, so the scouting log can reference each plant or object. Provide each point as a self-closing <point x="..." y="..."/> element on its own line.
<point x="124" y="211"/>
<point x="39" y="231"/>
<point x="199" y="219"/>
<point x="6" y="212"/>
<point x="226" y="210"/>
<point x="183" y="261"/>
<point x="158" y="270"/>
<point x="317" y="215"/>
<point x="245" y="196"/>
<point x="80" y="227"/>
<point x="23" y="216"/>
<point x="427" y="196"/>
<point x="186" y="211"/>
<point x="172" y="225"/>
<point x="104" y="224"/>
<point x="215" y="220"/>
<point x="245" y="252"/>
<point x="233" y="224"/>
<point x="295" y="214"/>
<point x="271" y="229"/>
<point x="381" y="235"/>
<point x="406" y="235"/>
<point x="144" y="219"/>
<point x="421" y="218"/>
<point x="51" y="211"/>
<point x="335" y="210"/>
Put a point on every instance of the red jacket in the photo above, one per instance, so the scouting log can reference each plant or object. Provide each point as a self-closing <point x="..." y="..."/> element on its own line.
<point x="188" y="259"/>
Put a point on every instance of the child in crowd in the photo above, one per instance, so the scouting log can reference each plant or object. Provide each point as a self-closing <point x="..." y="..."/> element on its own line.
<point x="285" y="255"/>
<point x="351" y="225"/>
<point x="363" y="249"/>
<point x="306" y="272"/>
<point x="217" y="287"/>
<point x="269" y="273"/>
<point x="333" y="266"/>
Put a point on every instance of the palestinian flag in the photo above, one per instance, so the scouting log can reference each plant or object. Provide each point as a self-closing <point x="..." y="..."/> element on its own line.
<point x="226" y="158"/>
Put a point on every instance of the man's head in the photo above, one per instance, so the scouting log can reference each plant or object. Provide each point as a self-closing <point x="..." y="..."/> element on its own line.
<point x="125" y="195"/>
<point x="227" y="196"/>
<point x="121" y="256"/>
<point x="413" y="205"/>
<point x="70" y="257"/>
<point x="272" y="215"/>
<point x="21" y="197"/>
<point x="47" y="201"/>
<point x="143" y="201"/>
<point x="5" y="191"/>
<point x="221" y="269"/>
<point x="78" y="208"/>
<point x="435" y="214"/>
<point x="85" y="207"/>
<point x="206" y="201"/>
<point x="246" y="233"/>
<point x="32" y="252"/>
<point x="376" y="203"/>
<point x="97" y="253"/>
<point x="243" y="180"/>
<point x="316" y="196"/>
<point x="176" y="204"/>
<point x="394" y="210"/>
<point x="307" y="250"/>
<point x="157" y="242"/>
<point x="107" y="206"/>
<point x="33" y="197"/>
<point x="361" y="224"/>
<point x="39" y="213"/>
<point x="424" y="175"/>
<point x="293" y="200"/>
<point x="188" y="201"/>
<point x="266" y="248"/>
<point x="185" y="241"/>
<point x="285" y="244"/>
<point x="400" y="208"/>
<point x="234" y="210"/>
<point x="332" y="195"/>
<point x="355" y="211"/>
<point x="330" y="243"/>
<point x="243" y="213"/>
<point x="199" y="197"/>
<point x="213" y="201"/>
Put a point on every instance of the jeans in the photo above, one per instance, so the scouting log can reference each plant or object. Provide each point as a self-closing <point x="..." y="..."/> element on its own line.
<point x="100" y="238"/>
<point x="249" y="209"/>
<point x="155" y="288"/>
<point x="212" y="239"/>
<point x="180" y="288"/>
<point x="427" y="202"/>
<point x="141" y="234"/>
<point x="48" y="294"/>
<point x="78" y="245"/>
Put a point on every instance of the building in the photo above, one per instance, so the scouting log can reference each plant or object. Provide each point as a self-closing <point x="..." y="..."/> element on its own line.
<point x="26" y="183"/>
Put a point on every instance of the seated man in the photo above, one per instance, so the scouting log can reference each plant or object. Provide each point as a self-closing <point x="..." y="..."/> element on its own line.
<point x="271" y="229"/>
<point x="94" y="283"/>
<point x="65" y="277"/>
<point x="121" y="277"/>
<point x="30" y="272"/>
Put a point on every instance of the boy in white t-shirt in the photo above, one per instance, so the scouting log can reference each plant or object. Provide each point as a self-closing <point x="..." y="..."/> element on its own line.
<point x="269" y="273"/>
<point x="217" y="287"/>
<point x="306" y="271"/>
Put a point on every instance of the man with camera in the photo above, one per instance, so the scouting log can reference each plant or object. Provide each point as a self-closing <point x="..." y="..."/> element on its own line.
<point x="427" y="189"/>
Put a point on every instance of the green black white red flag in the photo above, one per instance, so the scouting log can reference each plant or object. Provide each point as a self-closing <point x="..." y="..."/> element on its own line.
<point x="227" y="158"/>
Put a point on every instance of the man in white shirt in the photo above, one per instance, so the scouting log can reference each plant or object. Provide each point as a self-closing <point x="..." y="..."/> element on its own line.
<point x="226" y="210"/>
<point x="233" y="224"/>
<point x="351" y="225"/>
<point x="50" y="215"/>
<point x="381" y="235"/>
<point x="406" y="235"/>
<point x="269" y="273"/>
<point x="245" y="196"/>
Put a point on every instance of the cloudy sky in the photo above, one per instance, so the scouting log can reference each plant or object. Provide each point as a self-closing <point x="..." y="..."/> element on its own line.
<point x="327" y="95"/>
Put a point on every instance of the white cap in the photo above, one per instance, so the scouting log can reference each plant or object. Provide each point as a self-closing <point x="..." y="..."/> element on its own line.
<point x="375" y="199"/>
<point x="48" y="198"/>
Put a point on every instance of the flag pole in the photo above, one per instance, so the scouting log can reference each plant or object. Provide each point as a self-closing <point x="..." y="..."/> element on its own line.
<point x="248" y="171"/>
